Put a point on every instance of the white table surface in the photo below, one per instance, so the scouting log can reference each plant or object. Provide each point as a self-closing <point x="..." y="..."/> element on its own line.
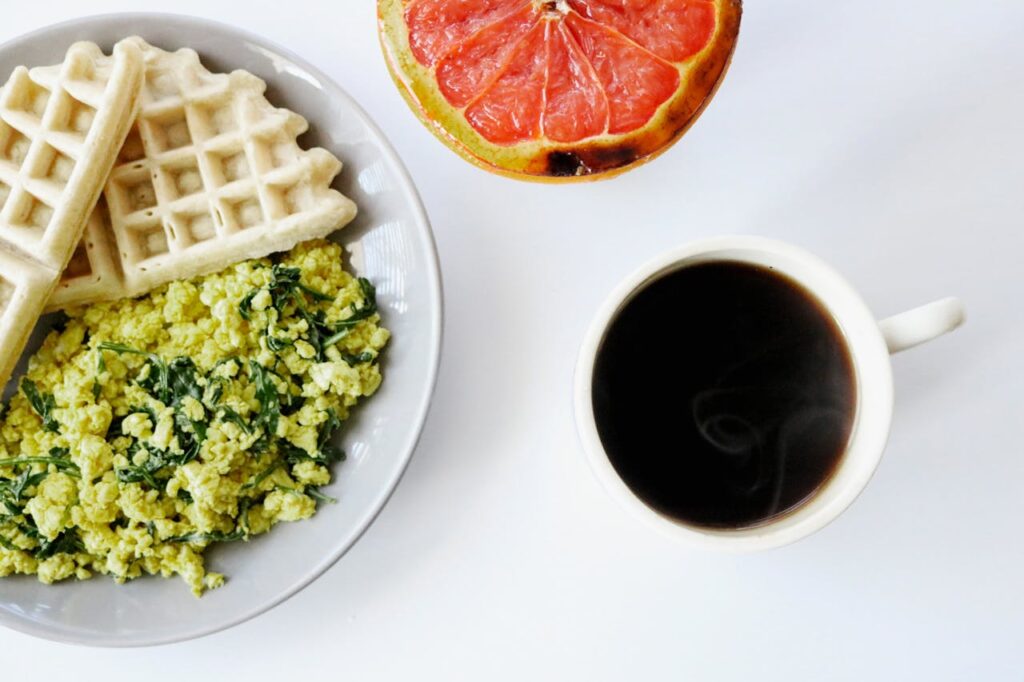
<point x="888" y="137"/>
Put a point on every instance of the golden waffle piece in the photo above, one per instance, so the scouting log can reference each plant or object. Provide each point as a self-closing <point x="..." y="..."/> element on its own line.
<point x="60" y="129"/>
<point x="211" y="174"/>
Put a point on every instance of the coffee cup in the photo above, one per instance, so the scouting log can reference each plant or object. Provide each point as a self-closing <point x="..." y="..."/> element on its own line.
<point x="868" y="342"/>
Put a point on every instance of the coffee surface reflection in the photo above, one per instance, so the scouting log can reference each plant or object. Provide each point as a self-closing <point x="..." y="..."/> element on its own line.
<point x="724" y="394"/>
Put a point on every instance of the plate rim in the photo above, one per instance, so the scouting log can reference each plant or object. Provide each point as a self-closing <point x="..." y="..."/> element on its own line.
<point x="434" y="275"/>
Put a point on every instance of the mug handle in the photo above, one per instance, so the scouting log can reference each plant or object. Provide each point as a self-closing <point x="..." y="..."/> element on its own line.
<point x="915" y="326"/>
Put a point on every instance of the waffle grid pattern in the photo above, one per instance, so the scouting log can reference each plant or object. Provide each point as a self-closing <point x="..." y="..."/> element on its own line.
<point x="60" y="128"/>
<point x="210" y="174"/>
<point x="45" y="117"/>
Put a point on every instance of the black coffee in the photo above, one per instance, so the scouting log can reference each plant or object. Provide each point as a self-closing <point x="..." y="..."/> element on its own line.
<point x="724" y="394"/>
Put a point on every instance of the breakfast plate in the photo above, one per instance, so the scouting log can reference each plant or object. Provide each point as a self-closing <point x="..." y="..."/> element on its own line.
<point x="390" y="243"/>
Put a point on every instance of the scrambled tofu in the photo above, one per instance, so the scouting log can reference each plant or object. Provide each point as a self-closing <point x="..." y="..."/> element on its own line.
<point x="146" y="430"/>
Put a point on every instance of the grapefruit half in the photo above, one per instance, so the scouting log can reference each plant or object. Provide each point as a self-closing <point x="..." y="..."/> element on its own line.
<point x="558" y="89"/>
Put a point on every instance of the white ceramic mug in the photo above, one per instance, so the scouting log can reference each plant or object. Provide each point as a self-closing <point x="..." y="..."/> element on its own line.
<point x="869" y="342"/>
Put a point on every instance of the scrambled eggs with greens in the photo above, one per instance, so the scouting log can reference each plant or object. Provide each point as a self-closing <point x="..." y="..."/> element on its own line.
<point x="145" y="430"/>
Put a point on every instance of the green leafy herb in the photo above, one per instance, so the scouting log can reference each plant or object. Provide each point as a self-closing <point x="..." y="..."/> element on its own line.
<point x="118" y="348"/>
<point x="241" y="531"/>
<point x="134" y="473"/>
<point x="286" y="288"/>
<point x="245" y="306"/>
<point x="58" y="458"/>
<point x="320" y="497"/>
<point x="215" y="536"/>
<point x="43" y="404"/>
<point x="167" y="382"/>
<point x="170" y="383"/>
<point x="148" y="471"/>
<point x="360" y="359"/>
<point x="267" y="395"/>
<point x="262" y="476"/>
<point x="67" y="542"/>
<point x="328" y="334"/>
<point x="216" y="383"/>
<point x="14" y="490"/>
<point x="229" y="415"/>
<point x="328" y="453"/>
<point x="277" y="344"/>
<point x="293" y="454"/>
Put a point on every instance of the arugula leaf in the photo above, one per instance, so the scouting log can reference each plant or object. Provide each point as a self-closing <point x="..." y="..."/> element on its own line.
<point x="58" y="457"/>
<point x="14" y="491"/>
<point x="17" y="487"/>
<point x="262" y="476"/>
<point x="170" y="383"/>
<point x="215" y="536"/>
<point x="167" y="382"/>
<point x="42" y="404"/>
<point x="278" y="344"/>
<point x="229" y="415"/>
<point x="154" y="377"/>
<point x="67" y="542"/>
<point x="357" y="313"/>
<point x="286" y="285"/>
<point x="267" y="395"/>
<point x="134" y="473"/>
<point x="284" y="288"/>
<point x="360" y="359"/>
<point x="245" y="306"/>
<point x="157" y="460"/>
<point x="118" y="348"/>
<point x="327" y="429"/>
<point x="241" y="531"/>
<point x="182" y="379"/>
<point x="293" y="454"/>
<point x="320" y="497"/>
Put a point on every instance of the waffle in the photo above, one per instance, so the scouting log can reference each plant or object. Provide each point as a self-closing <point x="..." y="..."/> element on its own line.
<point x="211" y="174"/>
<point x="60" y="129"/>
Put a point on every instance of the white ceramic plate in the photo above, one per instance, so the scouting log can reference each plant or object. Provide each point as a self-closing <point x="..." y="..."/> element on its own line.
<point x="396" y="252"/>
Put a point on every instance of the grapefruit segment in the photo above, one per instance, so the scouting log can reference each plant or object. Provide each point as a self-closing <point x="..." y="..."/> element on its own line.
<point x="469" y="66"/>
<point x="558" y="88"/>
<point x="510" y="109"/>
<point x="674" y="30"/>
<point x="435" y="26"/>
<point x="635" y="81"/>
<point x="576" y="106"/>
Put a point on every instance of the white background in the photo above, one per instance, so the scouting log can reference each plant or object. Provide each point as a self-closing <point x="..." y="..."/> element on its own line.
<point x="888" y="137"/>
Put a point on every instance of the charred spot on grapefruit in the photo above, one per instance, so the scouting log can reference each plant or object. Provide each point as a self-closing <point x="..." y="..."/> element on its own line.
<point x="558" y="89"/>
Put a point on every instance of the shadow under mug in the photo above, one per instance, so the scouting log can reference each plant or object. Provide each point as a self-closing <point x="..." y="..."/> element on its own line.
<point x="869" y="342"/>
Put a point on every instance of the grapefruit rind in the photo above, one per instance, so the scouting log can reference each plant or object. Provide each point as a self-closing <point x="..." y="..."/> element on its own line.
<point x="544" y="160"/>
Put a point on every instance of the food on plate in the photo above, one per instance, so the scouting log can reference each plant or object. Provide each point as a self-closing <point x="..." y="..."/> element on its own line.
<point x="147" y="430"/>
<point x="211" y="174"/>
<point x="60" y="129"/>
<point x="558" y="89"/>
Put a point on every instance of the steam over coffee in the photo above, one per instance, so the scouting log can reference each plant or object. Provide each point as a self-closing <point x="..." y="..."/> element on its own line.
<point x="724" y="394"/>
